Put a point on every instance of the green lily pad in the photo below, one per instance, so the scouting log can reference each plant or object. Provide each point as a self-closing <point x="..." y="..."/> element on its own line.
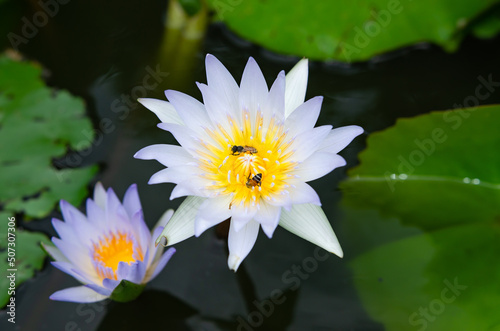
<point x="434" y="264"/>
<point x="22" y="249"/>
<point x="489" y="25"/>
<point x="191" y="7"/>
<point x="448" y="279"/>
<point x="349" y="30"/>
<point x="432" y="171"/>
<point x="37" y="125"/>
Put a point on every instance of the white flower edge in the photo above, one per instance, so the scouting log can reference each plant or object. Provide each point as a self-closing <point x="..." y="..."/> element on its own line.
<point x="307" y="221"/>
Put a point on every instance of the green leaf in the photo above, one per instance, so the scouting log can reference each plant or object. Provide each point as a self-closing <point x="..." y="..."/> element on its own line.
<point x="489" y="25"/>
<point x="432" y="171"/>
<point x="24" y="247"/>
<point x="444" y="280"/>
<point x="348" y="30"/>
<point x="38" y="124"/>
<point x="191" y="7"/>
<point x="127" y="291"/>
<point x="434" y="265"/>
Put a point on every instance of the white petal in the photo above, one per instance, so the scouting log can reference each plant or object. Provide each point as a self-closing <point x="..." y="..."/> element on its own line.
<point x="268" y="217"/>
<point x="174" y="175"/>
<point x="163" y="109"/>
<point x="296" y="85"/>
<point x="241" y="215"/>
<point x="181" y="190"/>
<point x="241" y="243"/>
<point x="191" y="111"/>
<point x="163" y="220"/>
<point x="100" y="195"/>
<point x="339" y="138"/>
<point x="184" y="135"/>
<point x="304" y="117"/>
<point x="168" y="155"/>
<point x="275" y="102"/>
<point x="181" y="225"/>
<point x="253" y="88"/>
<point x="306" y="143"/>
<point x="318" y="165"/>
<point x="81" y="294"/>
<point x="309" y="222"/>
<point x="281" y="199"/>
<point x="157" y="230"/>
<point x="303" y="193"/>
<point x="212" y="212"/>
<point x="222" y="83"/>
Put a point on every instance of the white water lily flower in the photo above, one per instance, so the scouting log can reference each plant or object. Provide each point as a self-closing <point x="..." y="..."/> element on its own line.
<point x="107" y="246"/>
<point x="246" y="153"/>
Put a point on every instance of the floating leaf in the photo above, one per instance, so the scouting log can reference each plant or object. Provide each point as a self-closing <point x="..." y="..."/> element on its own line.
<point x="38" y="124"/>
<point x="348" y="30"/>
<point x="438" y="173"/>
<point x="24" y="247"/>
<point x="445" y="280"/>
<point x="433" y="170"/>
<point x="191" y="7"/>
<point x="489" y="25"/>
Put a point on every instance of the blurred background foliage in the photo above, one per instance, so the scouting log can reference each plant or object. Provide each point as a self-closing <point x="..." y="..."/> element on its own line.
<point x="356" y="30"/>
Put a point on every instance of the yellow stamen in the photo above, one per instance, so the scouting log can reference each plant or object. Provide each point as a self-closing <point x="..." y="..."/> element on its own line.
<point x="113" y="249"/>
<point x="233" y="173"/>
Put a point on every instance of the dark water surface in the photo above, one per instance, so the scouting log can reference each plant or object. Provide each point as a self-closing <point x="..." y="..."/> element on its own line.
<point x="105" y="52"/>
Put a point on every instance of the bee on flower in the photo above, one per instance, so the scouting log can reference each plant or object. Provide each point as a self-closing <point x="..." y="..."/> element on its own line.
<point x="274" y="150"/>
<point x="109" y="246"/>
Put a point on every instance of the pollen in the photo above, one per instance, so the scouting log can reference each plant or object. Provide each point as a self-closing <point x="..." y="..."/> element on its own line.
<point x="110" y="250"/>
<point x="259" y="169"/>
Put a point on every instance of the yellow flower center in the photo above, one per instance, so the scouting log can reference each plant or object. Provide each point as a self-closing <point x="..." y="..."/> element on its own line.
<point x="111" y="250"/>
<point x="250" y="162"/>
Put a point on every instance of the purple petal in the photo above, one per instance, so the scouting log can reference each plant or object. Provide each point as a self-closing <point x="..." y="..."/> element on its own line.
<point x="74" y="254"/>
<point x="96" y="215"/>
<point x="131" y="201"/>
<point x="100" y="195"/>
<point x="133" y="272"/>
<point x="99" y="289"/>
<point x="66" y="231"/>
<point x="71" y="214"/>
<point x="69" y="269"/>
<point x="81" y="294"/>
<point x="110" y="284"/>
<point x="116" y="215"/>
<point x="158" y="266"/>
<point x="141" y="231"/>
